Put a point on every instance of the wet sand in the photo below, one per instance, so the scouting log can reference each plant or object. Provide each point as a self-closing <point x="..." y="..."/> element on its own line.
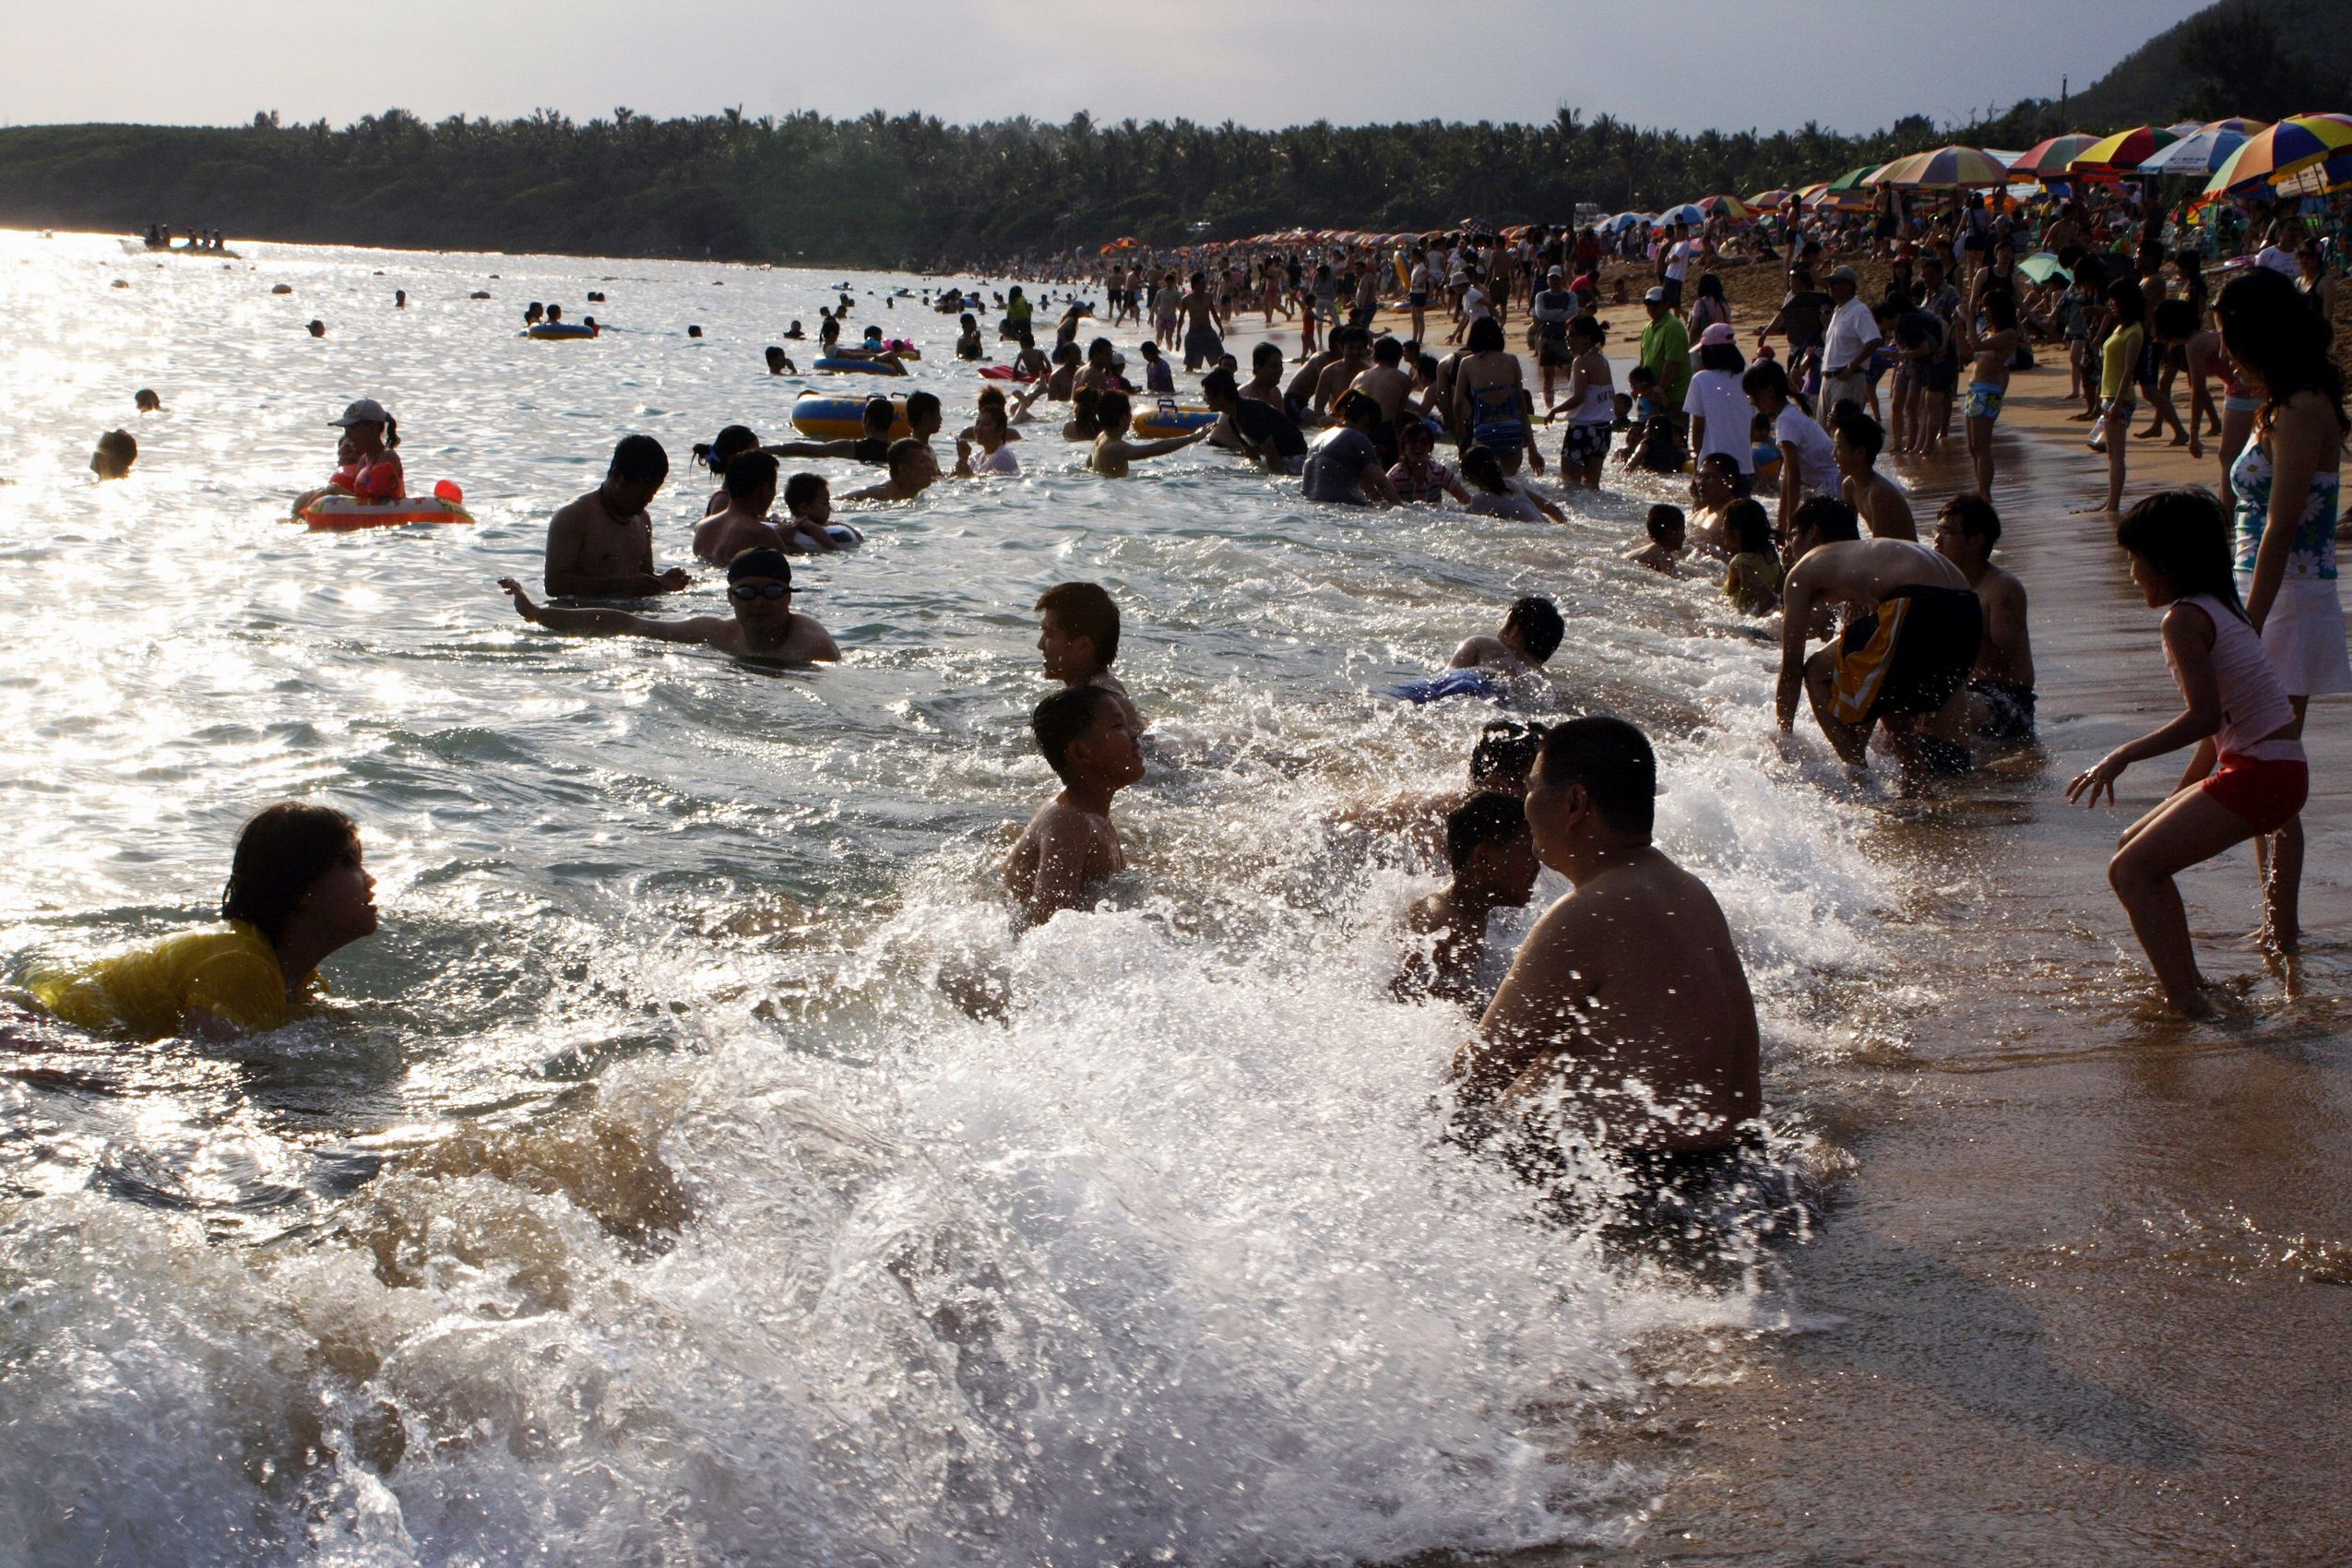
<point x="2085" y="1294"/>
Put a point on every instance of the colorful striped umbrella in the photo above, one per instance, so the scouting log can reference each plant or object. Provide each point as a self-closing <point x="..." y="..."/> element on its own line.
<point x="2047" y="160"/>
<point x="1854" y="179"/>
<point x="1945" y="169"/>
<point x="2238" y="122"/>
<point x="1725" y="206"/>
<point x="1765" y="201"/>
<point x="2198" y="153"/>
<point x="2269" y="157"/>
<point x="2119" y="157"/>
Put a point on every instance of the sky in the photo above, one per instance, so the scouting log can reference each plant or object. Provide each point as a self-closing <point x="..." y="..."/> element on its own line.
<point x="1688" y="65"/>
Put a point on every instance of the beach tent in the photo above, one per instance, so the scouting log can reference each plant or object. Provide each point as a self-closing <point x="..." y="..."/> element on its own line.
<point x="2119" y="157"/>
<point x="1945" y="169"/>
<point x="2275" y="156"/>
<point x="2202" y="151"/>
<point x="2047" y="160"/>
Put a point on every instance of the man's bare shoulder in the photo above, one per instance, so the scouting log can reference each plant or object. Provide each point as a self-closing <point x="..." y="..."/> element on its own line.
<point x="578" y="511"/>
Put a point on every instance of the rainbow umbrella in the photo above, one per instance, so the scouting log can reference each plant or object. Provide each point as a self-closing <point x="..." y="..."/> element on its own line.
<point x="1766" y="201"/>
<point x="2269" y="157"/>
<point x="2199" y="152"/>
<point x="1725" y="206"/>
<point x="2047" y="160"/>
<point x="1853" y="180"/>
<point x="2238" y="122"/>
<point x="1945" y="169"/>
<point x="2119" y="156"/>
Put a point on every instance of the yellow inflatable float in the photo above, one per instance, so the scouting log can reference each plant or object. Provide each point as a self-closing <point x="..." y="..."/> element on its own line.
<point x="824" y="418"/>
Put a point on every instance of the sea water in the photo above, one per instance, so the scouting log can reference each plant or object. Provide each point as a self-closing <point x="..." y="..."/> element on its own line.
<point x="641" y="1194"/>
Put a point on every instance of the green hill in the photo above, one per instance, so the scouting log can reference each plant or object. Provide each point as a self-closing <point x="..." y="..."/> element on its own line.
<point x="2152" y="86"/>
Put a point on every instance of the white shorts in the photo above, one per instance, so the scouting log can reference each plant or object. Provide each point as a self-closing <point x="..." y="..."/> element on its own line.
<point x="2304" y="635"/>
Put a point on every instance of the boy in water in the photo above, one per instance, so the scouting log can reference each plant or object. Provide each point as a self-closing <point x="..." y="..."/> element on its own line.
<point x="745" y="524"/>
<point x="1113" y="452"/>
<point x="1876" y="499"/>
<point x="759" y="582"/>
<point x="601" y="546"/>
<point x="1521" y="647"/>
<point x="1078" y="635"/>
<point x="911" y="469"/>
<point x="1493" y="857"/>
<point x="2000" y="689"/>
<point x="1669" y="538"/>
<point x="1070" y="847"/>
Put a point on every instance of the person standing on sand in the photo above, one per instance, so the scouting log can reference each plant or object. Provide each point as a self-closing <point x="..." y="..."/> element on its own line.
<point x="2119" y="374"/>
<point x="2247" y="776"/>
<point x="2287" y="485"/>
<point x="601" y="546"/>
<point x="1602" y="1032"/>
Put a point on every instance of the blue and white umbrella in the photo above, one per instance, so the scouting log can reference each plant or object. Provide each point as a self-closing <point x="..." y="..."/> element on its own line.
<point x="1690" y="215"/>
<point x="1626" y="221"/>
<point x="2201" y="152"/>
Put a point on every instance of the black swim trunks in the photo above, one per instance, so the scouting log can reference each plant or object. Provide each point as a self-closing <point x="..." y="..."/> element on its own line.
<point x="2009" y="709"/>
<point x="1910" y="656"/>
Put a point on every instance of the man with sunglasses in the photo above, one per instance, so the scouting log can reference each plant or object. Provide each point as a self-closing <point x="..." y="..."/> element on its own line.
<point x="759" y="586"/>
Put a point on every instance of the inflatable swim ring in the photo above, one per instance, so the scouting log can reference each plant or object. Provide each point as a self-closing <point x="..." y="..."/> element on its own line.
<point x="1002" y="373"/>
<point x="867" y="367"/>
<point x="558" y="331"/>
<point x="1163" y="420"/>
<point x="342" y="512"/>
<point x="824" y="418"/>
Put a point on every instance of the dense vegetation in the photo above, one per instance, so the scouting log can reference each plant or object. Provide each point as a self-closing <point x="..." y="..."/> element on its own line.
<point x="913" y="191"/>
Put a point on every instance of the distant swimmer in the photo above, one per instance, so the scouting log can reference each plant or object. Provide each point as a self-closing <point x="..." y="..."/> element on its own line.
<point x="147" y="402"/>
<point x="1070" y="849"/>
<point x="810" y="528"/>
<point x="911" y="469"/>
<point x="1625" y="1023"/>
<point x="601" y="546"/>
<point x="1911" y="635"/>
<point x="744" y="523"/>
<point x="1878" y="501"/>
<point x="793" y="332"/>
<point x="117" y="451"/>
<point x="779" y="363"/>
<point x="1078" y="638"/>
<point x="1493" y="859"/>
<point x="2001" y="688"/>
<point x="759" y="586"/>
<point x="297" y="893"/>
<point x="367" y="456"/>
<point x="2248" y="775"/>
<point x="1113" y="452"/>
<point x="967" y="340"/>
<point x="315" y="328"/>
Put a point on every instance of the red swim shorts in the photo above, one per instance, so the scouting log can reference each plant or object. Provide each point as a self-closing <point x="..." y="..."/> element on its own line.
<point x="2268" y="794"/>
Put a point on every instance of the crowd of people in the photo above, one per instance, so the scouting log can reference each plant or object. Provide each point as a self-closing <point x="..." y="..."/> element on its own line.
<point x="1923" y="645"/>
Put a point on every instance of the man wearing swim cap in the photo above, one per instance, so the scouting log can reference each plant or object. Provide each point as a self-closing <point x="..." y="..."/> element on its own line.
<point x="759" y="586"/>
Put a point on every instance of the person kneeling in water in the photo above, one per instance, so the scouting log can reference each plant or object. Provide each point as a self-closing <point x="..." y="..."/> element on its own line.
<point x="1070" y="847"/>
<point x="1494" y="864"/>
<point x="1626" y="1023"/>
<point x="297" y="893"/>
<point x="760" y="584"/>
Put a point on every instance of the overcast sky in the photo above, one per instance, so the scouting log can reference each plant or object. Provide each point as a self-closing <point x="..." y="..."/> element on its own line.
<point x="1852" y="64"/>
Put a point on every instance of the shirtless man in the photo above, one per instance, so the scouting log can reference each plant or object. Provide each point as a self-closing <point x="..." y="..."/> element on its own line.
<point x="1113" y="452"/>
<point x="745" y="525"/>
<point x="601" y="546"/>
<point x="1666" y="540"/>
<point x="2001" y="688"/>
<point x="1198" y="307"/>
<point x="1078" y="637"/>
<point x="1264" y="385"/>
<point x="1355" y="357"/>
<point x="759" y="583"/>
<point x="1626" y="1022"/>
<point x="1494" y="864"/>
<point x="1070" y="847"/>
<point x="912" y="470"/>
<point x="1386" y="383"/>
<point x="1299" y="397"/>
<point x="1910" y="639"/>
<point x="869" y="446"/>
<point x="1521" y="647"/>
<point x="1877" y="500"/>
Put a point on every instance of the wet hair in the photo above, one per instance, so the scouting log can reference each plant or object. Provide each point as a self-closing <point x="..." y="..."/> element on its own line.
<point x="1486" y="336"/>
<point x="775" y="356"/>
<point x="282" y="851"/>
<point x="640" y="458"/>
<point x="1487" y="817"/>
<point x="1416" y="432"/>
<point x="1064" y="718"/>
<point x="118" y="448"/>
<point x="748" y="473"/>
<point x="904" y="450"/>
<point x="1540" y="625"/>
<point x="1614" y="763"/>
<point x="1218" y="383"/>
<point x="1085" y="610"/>
<point x="878" y="415"/>
<point x="145" y="401"/>
<point x="1722" y="356"/>
<point x="1388" y="350"/>
<point x="2184" y="534"/>
<point x="1726" y="467"/>
<point x="991" y="397"/>
<point x="1828" y="516"/>
<point x="1505" y="752"/>
<point x="802" y="489"/>
<point x="1066" y="353"/>
<point x="1766" y="376"/>
<point x="764" y="562"/>
<point x="2270" y="327"/>
<point x="1115" y="409"/>
<point x="1858" y="431"/>
<point x="1975" y="517"/>
<point x="1148" y="349"/>
<point x="919" y="404"/>
<point x="1483" y="467"/>
<point x="1663" y="519"/>
<point x="1264" y="352"/>
<point x="1750" y="527"/>
<point x="722" y="448"/>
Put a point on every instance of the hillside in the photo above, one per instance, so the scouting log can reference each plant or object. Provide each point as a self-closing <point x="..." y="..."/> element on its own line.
<point x="2150" y="85"/>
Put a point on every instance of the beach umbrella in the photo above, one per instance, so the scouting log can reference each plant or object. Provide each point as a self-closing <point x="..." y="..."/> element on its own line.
<point x="2047" y="160"/>
<point x="2119" y="156"/>
<point x="2268" y="158"/>
<point x="1854" y="179"/>
<point x="1765" y="201"/>
<point x="1945" y="169"/>
<point x="1725" y="206"/>
<point x="1124" y="242"/>
<point x="2041" y="266"/>
<point x="2198" y="153"/>
<point x="1689" y="215"/>
<point x="2238" y="122"/>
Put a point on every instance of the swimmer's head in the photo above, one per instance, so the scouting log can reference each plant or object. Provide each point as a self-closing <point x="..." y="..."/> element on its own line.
<point x="317" y="329"/>
<point x="1079" y="631"/>
<point x="639" y="465"/>
<point x="1098" y="351"/>
<point x="923" y="414"/>
<point x="1718" y="481"/>
<point x="1082" y="732"/>
<point x="722" y="448"/>
<point x="1361" y="410"/>
<point x="910" y="463"/>
<point x="1665" y="524"/>
<point x="750" y="480"/>
<point x="1822" y="519"/>
<point x="1481" y="468"/>
<point x="1264" y="355"/>
<point x="1859" y="438"/>
<point x="1491" y="850"/>
<point x="115" y="454"/>
<point x="1114" y="411"/>
<point x="693" y="331"/>
<point x="1749" y="527"/>
<point x="1534" y="627"/>
<point x="1504" y="755"/>
<point x="1966" y="528"/>
<point x="878" y="416"/>
<point x="809" y="498"/>
<point x="1415" y="435"/>
<point x="776" y="360"/>
<point x="1596" y="776"/>
<point x="296" y="859"/>
<point x="1219" y="389"/>
<point x="1389" y="351"/>
<point x="759" y="586"/>
<point x="1149" y="350"/>
<point x="147" y="402"/>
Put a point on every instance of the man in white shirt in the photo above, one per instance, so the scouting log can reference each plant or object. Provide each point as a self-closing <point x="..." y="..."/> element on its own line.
<point x="2278" y="255"/>
<point x="1845" y="352"/>
<point x="1677" y="256"/>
